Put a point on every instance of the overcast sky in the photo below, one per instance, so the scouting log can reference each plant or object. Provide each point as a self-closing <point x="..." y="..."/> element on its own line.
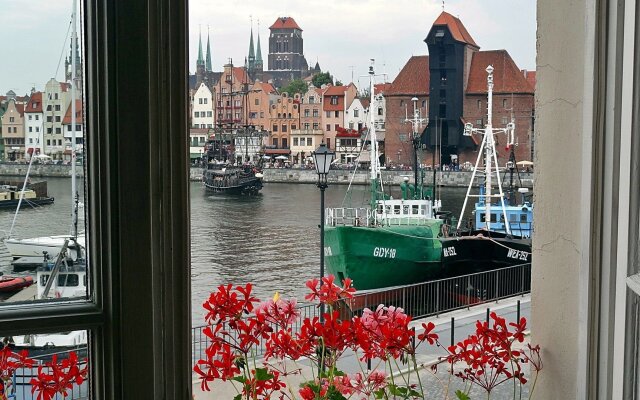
<point x="342" y="35"/>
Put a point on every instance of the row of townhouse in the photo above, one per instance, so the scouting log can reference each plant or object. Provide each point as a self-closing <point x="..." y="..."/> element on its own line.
<point x="265" y="123"/>
<point x="40" y="123"/>
<point x="448" y="88"/>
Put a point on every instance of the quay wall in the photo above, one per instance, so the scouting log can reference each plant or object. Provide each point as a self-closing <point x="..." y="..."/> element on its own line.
<point x="284" y="175"/>
<point x="343" y="177"/>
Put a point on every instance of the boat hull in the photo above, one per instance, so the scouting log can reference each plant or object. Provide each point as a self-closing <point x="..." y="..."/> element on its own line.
<point x="26" y="203"/>
<point x="9" y="284"/>
<point x="35" y="247"/>
<point x="480" y="251"/>
<point x="375" y="257"/>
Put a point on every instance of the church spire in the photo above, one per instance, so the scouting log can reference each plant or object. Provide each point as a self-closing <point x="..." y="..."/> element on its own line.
<point x="200" y="58"/>
<point x="259" y="51"/>
<point x="252" y="54"/>
<point x="208" y="63"/>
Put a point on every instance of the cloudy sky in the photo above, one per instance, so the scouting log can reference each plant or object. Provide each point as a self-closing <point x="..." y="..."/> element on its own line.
<point x="342" y="35"/>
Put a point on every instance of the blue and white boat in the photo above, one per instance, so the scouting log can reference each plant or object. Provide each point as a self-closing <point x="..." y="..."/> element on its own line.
<point x="499" y="235"/>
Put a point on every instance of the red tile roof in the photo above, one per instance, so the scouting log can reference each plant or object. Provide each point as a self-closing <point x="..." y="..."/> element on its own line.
<point x="35" y="103"/>
<point x="456" y="27"/>
<point x="240" y="75"/>
<point x="531" y="77"/>
<point x="285" y="23"/>
<point x="65" y="86"/>
<point x="365" y="102"/>
<point x="335" y="91"/>
<point x="264" y="87"/>
<point x="381" y="87"/>
<point x="507" y="77"/>
<point x="413" y="79"/>
<point x="67" y="116"/>
<point x="20" y="109"/>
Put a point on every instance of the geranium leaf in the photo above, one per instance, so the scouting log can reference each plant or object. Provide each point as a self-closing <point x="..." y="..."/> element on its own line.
<point x="462" y="395"/>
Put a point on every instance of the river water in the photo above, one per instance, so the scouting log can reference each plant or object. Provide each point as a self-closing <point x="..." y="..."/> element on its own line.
<point x="271" y="240"/>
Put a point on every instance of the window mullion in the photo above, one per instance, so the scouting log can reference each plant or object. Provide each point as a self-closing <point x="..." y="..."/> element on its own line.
<point x="49" y="318"/>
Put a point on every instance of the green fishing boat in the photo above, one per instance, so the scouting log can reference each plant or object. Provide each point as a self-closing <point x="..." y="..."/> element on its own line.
<point x="392" y="241"/>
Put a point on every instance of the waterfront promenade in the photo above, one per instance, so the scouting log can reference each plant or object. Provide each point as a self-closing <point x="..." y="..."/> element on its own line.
<point x="436" y="384"/>
<point x="286" y="175"/>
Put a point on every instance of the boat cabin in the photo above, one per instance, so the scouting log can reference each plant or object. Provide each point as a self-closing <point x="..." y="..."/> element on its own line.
<point x="70" y="282"/>
<point x="520" y="219"/>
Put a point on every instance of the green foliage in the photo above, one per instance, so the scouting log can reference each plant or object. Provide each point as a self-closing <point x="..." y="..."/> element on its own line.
<point x="339" y="83"/>
<point x="322" y="78"/>
<point x="295" y="86"/>
<point x="404" y="392"/>
<point x="462" y="395"/>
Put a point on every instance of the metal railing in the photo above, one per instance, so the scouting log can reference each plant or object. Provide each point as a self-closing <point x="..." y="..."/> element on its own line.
<point x="418" y="300"/>
<point x="346" y="216"/>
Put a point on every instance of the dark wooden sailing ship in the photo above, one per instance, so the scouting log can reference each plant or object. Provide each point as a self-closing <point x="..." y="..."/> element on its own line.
<point x="219" y="176"/>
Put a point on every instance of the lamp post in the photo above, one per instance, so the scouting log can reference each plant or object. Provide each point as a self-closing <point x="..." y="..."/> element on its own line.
<point x="322" y="157"/>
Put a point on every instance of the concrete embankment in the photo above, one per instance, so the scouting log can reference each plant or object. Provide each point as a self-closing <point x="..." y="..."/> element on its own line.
<point x="284" y="175"/>
<point x="446" y="178"/>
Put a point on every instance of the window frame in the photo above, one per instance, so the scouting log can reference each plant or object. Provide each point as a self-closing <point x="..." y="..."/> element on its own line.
<point x="139" y="335"/>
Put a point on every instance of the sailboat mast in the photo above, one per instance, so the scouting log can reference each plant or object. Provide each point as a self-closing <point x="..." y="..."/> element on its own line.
<point x="74" y="191"/>
<point x="375" y="167"/>
<point x="488" y="149"/>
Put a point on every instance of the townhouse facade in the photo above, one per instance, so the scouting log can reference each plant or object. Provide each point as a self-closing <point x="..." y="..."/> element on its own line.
<point x="69" y="125"/>
<point x="34" y="125"/>
<point x="335" y="102"/>
<point x="284" y="118"/>
<point x="202" y="106"/>
<point x="56" y="100"/>
<point x="13" y="131"/>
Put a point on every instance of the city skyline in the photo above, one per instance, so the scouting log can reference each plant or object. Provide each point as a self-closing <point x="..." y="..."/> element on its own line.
<point x="337" y="34"/>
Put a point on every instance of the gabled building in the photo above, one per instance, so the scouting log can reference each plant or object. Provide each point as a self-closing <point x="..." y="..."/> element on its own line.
<point x="285" y="118"/>
<point x="13" y="131"/>
<point x="451" y="87"/>
<point x="310" y="134"/>
<point x="34" y="125"/>
<point x="261" y="96"/>
<point x="202" y="108"/>
<point x="57" y="97"/>
<point x="335" y="102"/>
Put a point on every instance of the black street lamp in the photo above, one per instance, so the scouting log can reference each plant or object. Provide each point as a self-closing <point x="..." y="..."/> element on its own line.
<point x="323" y="157"/>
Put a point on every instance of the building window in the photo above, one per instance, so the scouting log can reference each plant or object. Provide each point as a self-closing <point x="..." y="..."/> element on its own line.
<point x="479" y="123"/>
<point x="197" y="114"/>
<point x="315" y="125"/>
<point x="350" y="125"/>
<point x="209" y="114"/>
<point x="309" y="141"/>
<point x="306" y="126"/>
<point x="334" y="100"/>
<point x="479" y="104"/>
<point x="11" y="119"/>
<point x="315" y="113"/>
<point x="284" y="143"/>
<point x="403" y="137"/>
<point x="380" y="111"/>
<point x="312" y="99"/>
<point x="306" y="112"/>
<point x="257" y="102"/>
<point x="57" y="107"/>
<point x="293" y="127"/>
<point x="37" y="117"/>
<point x="275" y="128"/>
<point x="200" y="100"/>
<point x="57" y="118"/>
<point x="30" y="117"/>
<point x="329" y="143"/>
<point x="328" y="114"/>
<point x="295" y="141"/>
<point x="58" y="130"/>
<point x="206" y="101"/>
<point x="284" y="128"/>
<point x="504" y="103"/>
<point x="328" y="128"/>
<point x="356" y="113"/>
<point x="336" y="126"/>
<point x="30" y="129"/>
<point x="336" y="114"/>
<point x="505" y="120"/>
<point x="275" y="142"/>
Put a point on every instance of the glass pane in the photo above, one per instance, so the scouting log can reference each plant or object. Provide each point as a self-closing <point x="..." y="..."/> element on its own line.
<point x="42" y="127"/>
<point x="35" y="357"/>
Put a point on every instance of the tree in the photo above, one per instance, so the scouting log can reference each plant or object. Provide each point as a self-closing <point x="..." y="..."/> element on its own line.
<point x="338" y="83"/>
<point x="295" y="86"/>
<point x="322" y="78"/>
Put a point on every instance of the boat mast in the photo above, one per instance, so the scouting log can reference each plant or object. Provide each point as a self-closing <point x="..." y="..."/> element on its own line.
<point x="74" y="191"/>
<point x="375" y="165"/>
<point x="490" y="156"/>
<point x="416" y="125"/>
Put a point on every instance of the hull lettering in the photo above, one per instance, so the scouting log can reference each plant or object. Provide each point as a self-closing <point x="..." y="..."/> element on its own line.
<point x="384" y="252"/>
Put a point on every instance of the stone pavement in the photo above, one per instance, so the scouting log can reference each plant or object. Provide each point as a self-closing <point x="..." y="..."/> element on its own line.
<point x="436" y="384"/>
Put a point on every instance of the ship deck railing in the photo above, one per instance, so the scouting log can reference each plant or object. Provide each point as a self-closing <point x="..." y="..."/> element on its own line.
<point x="348" y="216"/>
